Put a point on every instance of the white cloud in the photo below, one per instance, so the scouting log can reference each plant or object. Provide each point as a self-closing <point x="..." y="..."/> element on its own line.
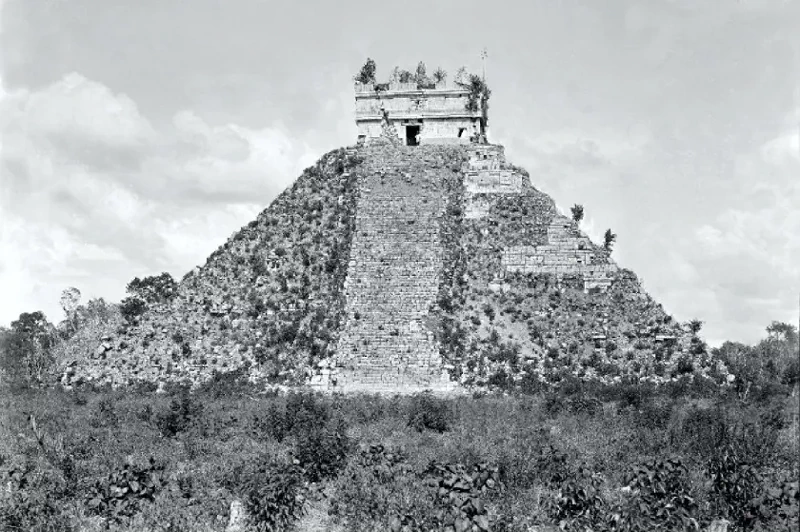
<point x="750" y="254"/>
<point x="78" y="107"/>
<point x="92" y="194"/>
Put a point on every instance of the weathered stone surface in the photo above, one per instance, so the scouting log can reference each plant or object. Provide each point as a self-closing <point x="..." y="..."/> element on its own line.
<point x="237" y="520"/>
<point x="440" y="114"/>
<point x="396" y="260"/>
<point x="567" y="251"/>
<point x="388" y="268"/>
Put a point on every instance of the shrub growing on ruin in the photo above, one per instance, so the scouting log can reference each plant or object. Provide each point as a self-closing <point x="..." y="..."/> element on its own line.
<point x="421" y="76"/>
<point x="227" y="384"/>
<point x="367" y="73"/>
<point x="478" y="97"/>
<point x="577" y="213"/>
<point x="131" y="308"/>
<point x="608" y="240"/>
<point x="70" y="302"/>
<point x="153" y="289"/>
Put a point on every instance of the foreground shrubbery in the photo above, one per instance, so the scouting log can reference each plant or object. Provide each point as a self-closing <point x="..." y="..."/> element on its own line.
<point x="623" y="458"/>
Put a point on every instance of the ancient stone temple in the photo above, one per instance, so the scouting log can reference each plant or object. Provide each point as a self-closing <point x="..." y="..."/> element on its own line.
<point x="414" y="115"/>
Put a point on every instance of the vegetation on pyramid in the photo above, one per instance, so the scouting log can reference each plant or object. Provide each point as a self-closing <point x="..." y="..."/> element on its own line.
<point x="269" y="298"/>
<point x="394" y="268"/>
<point x="529" y="299"/>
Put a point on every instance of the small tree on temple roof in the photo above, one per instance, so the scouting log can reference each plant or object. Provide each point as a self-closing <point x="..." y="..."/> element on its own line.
<point x="479" y="94"/>
<point x="608" y="240"/>
<point x="421" y="75"/>
<point x="367" y="73"/>
<point x="577" y="213"/>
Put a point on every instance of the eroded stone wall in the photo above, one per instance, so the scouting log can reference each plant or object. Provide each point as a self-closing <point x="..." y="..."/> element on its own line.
<point x="433" y="130"/>
<point x="567" y="252"/>
<point x="488" y="172"/>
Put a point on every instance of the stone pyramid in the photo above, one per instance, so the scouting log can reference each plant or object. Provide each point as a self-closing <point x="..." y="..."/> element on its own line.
<point x="389" y="268"/>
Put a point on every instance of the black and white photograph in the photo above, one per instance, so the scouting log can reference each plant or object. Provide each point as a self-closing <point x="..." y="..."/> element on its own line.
<point x="418" y="266"/>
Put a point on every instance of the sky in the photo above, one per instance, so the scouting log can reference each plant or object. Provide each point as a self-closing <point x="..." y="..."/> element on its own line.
<point x="137" y="136"/>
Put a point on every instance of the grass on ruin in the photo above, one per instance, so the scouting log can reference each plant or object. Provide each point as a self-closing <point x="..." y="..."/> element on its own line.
<point x="137" y="460"/>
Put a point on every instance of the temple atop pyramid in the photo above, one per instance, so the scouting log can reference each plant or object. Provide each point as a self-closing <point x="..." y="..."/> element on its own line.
<point x="436" y="114"/>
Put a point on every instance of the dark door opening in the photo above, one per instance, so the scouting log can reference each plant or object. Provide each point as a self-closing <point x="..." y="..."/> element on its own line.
<point x="412" y="135"/>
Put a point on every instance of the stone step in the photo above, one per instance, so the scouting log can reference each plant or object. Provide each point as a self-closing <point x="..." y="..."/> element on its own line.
<point x="394" y="273"/>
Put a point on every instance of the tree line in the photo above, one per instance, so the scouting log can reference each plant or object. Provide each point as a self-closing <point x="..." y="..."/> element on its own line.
<point x="29" y="347"/>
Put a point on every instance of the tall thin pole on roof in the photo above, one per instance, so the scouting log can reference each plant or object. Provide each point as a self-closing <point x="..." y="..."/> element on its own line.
<point x="484" y="55"/>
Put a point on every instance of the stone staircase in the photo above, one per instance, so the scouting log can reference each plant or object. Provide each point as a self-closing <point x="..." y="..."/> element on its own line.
<point x="387" y="343"/>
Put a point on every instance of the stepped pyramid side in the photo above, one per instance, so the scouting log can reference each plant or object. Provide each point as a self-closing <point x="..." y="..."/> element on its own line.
<point x="533" y="298"/>
<point x="270" y="297"/>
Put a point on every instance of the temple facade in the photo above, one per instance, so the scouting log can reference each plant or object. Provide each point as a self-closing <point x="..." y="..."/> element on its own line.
<point x="436" y="115"/>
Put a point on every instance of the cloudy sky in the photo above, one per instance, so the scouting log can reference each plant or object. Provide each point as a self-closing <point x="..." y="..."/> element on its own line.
<point x="138" y="135"/>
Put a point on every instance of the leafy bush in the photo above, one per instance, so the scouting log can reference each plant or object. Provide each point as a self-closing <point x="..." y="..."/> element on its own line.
<point x="180" y="415"/>
<point x="528" y="462"/>
<point x="367" y="72"/>
<point x="663" y="498"/>
<point x="740" y="493"/>
<point x="554" y="403"/>
<point x="579" y="503"/>
<point x="429" y="412"/>
<point x="105" y="416"/>
<point x="701" y="432"/>
<point x="26" y="350"/>
<point x="305" y="410"/>
<point x="631" y="395"/>
<point x="271" y="423"/>
<point x="735" y="486"/>
<point x="153" y="289"/>
<point x="272" y="494"/>
<point x="460" y="494"/>
<point x="31" y="498"/>
<point x="227" y="384"/>
<point x="322" y="451"/>
<point x="584" y="405"/>
<point x="131" y="308"/>
<point x="120" y="494"/>
<point x="378" y="490"/>
<point x="187" y="502"/>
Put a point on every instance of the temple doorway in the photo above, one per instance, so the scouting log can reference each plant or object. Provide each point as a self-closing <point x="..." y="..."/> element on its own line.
<point x="412" y="135"/>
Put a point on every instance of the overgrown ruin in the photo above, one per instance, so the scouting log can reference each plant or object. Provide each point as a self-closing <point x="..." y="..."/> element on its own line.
<point x="420" y="258"/>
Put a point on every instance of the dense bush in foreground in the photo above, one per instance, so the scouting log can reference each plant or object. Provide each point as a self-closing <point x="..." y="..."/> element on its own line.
<point x="623" y="458"/>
